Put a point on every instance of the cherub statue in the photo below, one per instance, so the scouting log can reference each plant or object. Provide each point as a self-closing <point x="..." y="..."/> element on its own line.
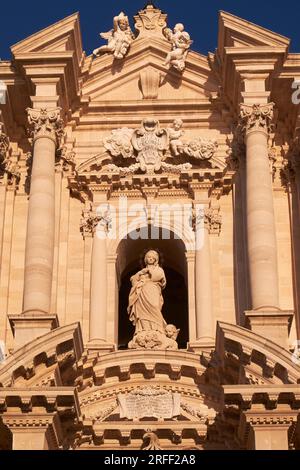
<point x="181" y="42"/>
<point x="119" y="38"/>
<point x="175" y="134"/>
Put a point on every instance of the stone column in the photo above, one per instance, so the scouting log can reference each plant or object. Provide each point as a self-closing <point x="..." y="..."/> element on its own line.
<point x="97" y="226"/>
<point x="47" y="129"/>
<point x="261" y="230"/>
<point x="262" y="248"/>
<point x="205" y="323"/>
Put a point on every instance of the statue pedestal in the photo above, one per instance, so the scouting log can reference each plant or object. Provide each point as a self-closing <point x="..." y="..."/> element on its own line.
<point x="203" y="345"/>
<point x="99" y="347"/>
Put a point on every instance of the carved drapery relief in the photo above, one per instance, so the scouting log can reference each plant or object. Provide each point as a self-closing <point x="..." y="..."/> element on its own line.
<point x="257" y="117"/>
<point x="46" y="123"/>
<point x="151" y="145"/>
<point x="181" y="43"/>
<point x="119" y="38"/>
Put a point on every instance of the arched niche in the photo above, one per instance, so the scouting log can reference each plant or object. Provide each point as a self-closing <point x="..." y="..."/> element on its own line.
<point x="129" y="260"/>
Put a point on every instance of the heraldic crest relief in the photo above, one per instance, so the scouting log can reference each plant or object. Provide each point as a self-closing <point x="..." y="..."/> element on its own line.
<point x="155" y="149"/>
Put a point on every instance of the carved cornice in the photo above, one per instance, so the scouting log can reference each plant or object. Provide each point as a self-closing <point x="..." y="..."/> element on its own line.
<point x="256" y="117"/>
<point x="46" y="123"/>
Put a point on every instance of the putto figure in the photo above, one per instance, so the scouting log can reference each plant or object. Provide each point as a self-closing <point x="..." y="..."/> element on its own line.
<point x="145" y="308"/>
<point x="119" y="38"/>
<point x="175" y="134"/>
<point x="181" y="43"/>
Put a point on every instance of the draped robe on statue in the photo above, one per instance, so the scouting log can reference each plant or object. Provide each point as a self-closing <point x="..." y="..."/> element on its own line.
<point x="146" y="300"/>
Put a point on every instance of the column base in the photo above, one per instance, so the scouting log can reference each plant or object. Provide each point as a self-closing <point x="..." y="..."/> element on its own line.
<point x="99" y="346"/>
<point x="202" y="345"/>
<point x="274" y="325"/>
<point x="31" y="325"/>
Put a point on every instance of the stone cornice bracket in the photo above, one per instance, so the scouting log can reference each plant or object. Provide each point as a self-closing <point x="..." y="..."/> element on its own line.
<point x="150" y="21"/>
<point x="46" y="123"/>
<point x="256" y="117"/>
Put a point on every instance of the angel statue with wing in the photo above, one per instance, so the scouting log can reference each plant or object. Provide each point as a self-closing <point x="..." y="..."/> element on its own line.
<point x="119" y="38"/>
<point x="181" y="42"/>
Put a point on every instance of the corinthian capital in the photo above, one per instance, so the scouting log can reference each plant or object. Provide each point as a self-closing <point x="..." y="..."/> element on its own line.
<point x="257" y="117"/>
<point x="208" y="218"/>
<point x="46" y="123"/>
<point x="4" y="143"/>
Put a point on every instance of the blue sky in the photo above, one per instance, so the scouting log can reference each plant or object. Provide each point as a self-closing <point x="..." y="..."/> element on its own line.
<point x="20" y="19"/>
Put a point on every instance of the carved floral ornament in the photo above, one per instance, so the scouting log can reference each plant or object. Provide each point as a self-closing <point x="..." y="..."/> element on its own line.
<point x="256" y="117"/>
<point x="9" y="167"/>
<point x="46" y="123"/>
<point x="153" y="149"/>
<point x="150" y="21"/>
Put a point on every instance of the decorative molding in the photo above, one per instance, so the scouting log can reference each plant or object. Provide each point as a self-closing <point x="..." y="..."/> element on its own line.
<point x="150" y="81"/>
<point x="257" y="117"/>
<point x="150" y="21"/>
<point x="46" y="123"/>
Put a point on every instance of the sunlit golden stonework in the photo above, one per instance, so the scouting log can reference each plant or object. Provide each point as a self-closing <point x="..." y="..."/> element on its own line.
<point x="150" y="239"/>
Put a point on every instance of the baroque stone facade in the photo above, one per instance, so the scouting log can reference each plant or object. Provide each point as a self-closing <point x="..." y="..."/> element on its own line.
<point x="146" y="151"/>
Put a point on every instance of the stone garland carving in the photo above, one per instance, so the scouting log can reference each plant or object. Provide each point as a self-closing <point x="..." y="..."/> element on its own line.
<point x="202" y="413"/>
<point x="46" y="123"/>
<point x="257" y="117"/>
<point x="92" y="221"/>
<point x="151" y="145"/>
<point x="181" y="43"/>
<point x="119" y="38"/>
<point x="102" y="415"/>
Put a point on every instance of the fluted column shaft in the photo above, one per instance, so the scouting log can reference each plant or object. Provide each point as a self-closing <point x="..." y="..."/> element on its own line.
<point x="261" y="231"/>
<point x="39" y="253"/>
